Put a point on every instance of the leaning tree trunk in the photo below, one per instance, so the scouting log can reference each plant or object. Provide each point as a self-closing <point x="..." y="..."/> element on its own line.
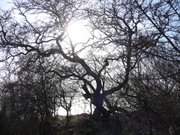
<point x="100" y="111"/>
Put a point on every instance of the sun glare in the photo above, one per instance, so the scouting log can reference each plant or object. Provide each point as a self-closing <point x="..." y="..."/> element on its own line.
<point x="78" y="32"/>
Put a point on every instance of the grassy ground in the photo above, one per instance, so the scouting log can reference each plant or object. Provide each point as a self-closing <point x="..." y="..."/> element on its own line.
<point x="77" y="125"/>
<point x="85" y="125"/>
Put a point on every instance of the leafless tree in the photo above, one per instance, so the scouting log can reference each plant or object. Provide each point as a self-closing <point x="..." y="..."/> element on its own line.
<point x="100" y="76"/>
<point x="131" y="35"/>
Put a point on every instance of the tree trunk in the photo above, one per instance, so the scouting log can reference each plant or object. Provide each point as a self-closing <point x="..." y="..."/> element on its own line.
<point x="67" y="118"/>
<point x="100" y="111"/>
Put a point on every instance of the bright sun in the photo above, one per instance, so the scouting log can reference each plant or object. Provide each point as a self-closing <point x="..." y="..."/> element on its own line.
<point x="78" y="32"/>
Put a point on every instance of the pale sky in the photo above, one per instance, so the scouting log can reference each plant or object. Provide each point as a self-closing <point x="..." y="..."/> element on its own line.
<point x="5" y="4"/>
<point x="80" y="105"/>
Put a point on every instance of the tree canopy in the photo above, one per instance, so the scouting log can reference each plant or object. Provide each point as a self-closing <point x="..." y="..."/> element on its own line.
<point x="130" y="63"/>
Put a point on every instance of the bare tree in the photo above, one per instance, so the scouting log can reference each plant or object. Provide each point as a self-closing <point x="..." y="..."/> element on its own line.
<point x="131" y="35"/>
<point x="100" y="76"/>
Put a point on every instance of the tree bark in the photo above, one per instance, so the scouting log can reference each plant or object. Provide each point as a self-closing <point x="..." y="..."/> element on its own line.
<point x="100" y="111"/>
